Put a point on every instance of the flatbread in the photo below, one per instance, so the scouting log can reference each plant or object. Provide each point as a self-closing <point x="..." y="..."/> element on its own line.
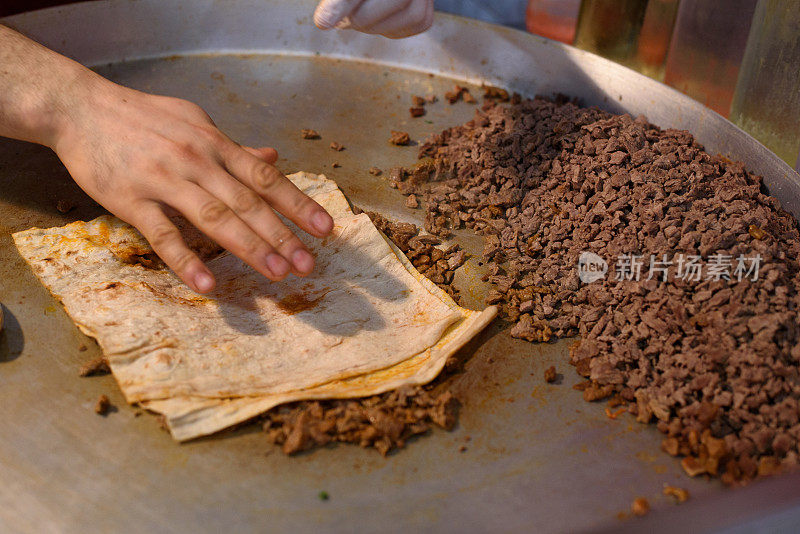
<point x="364" y="322"/>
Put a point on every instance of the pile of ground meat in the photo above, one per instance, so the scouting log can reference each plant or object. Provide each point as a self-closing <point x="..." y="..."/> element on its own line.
<point x="382" y="421"/>
<point x="713" y="360"/>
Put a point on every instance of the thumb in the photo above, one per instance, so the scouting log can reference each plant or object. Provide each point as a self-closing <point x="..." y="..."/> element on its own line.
<point x="329" y="13"/>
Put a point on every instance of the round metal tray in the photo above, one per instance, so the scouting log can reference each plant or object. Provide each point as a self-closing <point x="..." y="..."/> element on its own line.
<point x="537" y="457"/>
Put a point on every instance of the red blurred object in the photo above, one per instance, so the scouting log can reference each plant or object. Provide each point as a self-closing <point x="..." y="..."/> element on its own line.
<point x="554" y="19"/>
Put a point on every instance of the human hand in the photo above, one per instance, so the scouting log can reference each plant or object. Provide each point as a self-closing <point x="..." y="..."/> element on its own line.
<point x="145" y="157"/>
<point x="391" y="18"/>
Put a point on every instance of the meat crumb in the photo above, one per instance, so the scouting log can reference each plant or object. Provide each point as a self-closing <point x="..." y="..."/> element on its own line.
<point x="418" y="101"/>
<point x="681" y="495"/>
<point x="495" y="93"/>
<point x="453" y="96"/>
<point x="65" y="206"/>
<point x="400" y="138"/>
<point x="582" y="386"/>
<point x="82" y="348"/>
<point x="550" y="374"/>
<point x="102" y="406"/>
<point x="756" y="232"/>
<point x="375" y="171"/>
<point x="671" y="446"/>
<point x="309" y="134"/>
<point x="416" y="112"/>
<point x="692" y="466"/>
<point x="616" y="400"/>
<point x="336" y="146"/>
<point x="640" y="506"/>
<point x="96" y="367"/>
<point x="336" y="165"/>
<point x="596" y="392"/>
<point x="411" y="202"/>
<point x="459" y="93"/>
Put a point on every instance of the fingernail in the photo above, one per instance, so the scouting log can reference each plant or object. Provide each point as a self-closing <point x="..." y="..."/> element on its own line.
<point x="322" y="222"/>
<point x="277" y="264"/>
<point x="303" y="261"/>
<point x="324" y="21"/>
<point x="204" y="282"/>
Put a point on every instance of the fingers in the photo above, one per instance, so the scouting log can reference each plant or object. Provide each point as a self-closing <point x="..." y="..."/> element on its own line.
<point x="168" y="243"/>
<point x="268" y="154"/>
<point x="329" y="13"/>
<point x="368" y="14"/>
<point x="392" y="18"/>
<point x="254" y="211"/>
<point x="416" y="18"/>
<point x="279" y="192"/>
<point x="215" y="219"/>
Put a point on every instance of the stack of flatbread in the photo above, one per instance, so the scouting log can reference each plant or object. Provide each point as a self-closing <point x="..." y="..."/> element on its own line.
<point x="364" y="322"/>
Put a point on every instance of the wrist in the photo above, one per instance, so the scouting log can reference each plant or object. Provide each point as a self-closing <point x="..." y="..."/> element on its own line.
<point x="60" y="109"/>
<point x="37" y="88"/>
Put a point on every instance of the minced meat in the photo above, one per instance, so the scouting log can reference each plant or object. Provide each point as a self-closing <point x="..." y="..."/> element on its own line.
<point x="713" y="358"/>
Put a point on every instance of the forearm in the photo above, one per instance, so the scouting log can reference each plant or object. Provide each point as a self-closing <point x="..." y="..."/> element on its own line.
<point x="145" y="157"/>
<point x="39" y="89"/>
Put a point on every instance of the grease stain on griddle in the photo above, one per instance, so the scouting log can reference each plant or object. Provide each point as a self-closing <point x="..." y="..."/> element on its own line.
<point x="298" y="302"/>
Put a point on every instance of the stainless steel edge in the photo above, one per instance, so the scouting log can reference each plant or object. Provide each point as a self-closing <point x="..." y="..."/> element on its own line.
<point x="105" y="32"/>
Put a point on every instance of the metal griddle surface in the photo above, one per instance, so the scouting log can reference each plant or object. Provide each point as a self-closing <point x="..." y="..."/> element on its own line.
<point x="536" y="456"/>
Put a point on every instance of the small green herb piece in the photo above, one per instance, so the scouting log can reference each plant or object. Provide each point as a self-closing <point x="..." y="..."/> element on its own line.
<point x="323" y="496"/>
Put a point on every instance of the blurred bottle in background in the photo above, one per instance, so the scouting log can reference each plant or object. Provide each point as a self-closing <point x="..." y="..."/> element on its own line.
<point x="610" y="28"/>
<point x="655" y="37"/>
<point x="707" y="48"/>
<point x="635" y="33"/>
<point x="766" y="103"/>
<point x="554" y="19"/>
<point x="740" y="58"/>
